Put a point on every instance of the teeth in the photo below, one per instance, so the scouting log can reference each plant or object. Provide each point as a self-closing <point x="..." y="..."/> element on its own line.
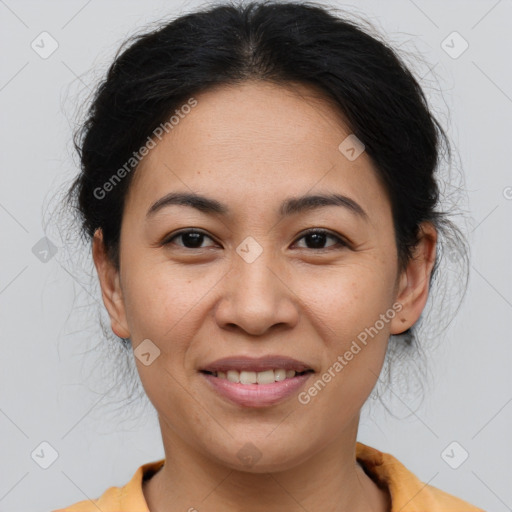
<point x="233" y="376"/>
<point x="280" y="374"/>
<point x="265" y="377"/>
<point x="247" y="377"/>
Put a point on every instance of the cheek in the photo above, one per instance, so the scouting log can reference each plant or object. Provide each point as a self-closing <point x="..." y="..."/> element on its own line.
<point x="354" y="309"/>
<point x="355" y="327"/>
<point x="161" y="297"/>
<point x="162" y="305"/>
<point x="349" y="299"/>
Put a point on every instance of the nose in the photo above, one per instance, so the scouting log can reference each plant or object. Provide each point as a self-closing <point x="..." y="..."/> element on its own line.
<point x="257" y="297"/>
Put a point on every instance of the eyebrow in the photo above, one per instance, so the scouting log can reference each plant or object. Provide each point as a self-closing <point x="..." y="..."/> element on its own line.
<point x="291" y="206"/>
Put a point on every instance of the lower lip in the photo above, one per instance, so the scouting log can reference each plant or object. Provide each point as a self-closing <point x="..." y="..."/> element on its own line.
<point x="256" y="395"/>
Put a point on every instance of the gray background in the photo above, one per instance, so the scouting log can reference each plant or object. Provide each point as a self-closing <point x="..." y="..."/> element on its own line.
<point x="45" y="393"/>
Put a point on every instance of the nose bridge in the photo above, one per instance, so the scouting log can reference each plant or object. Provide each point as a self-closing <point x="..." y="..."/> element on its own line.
<point x="255" y="297"/>
<point x="255" y="286"/>
<point x="253" y="265"/>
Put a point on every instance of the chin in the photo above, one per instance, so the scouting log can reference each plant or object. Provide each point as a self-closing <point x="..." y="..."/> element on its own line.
<point x="264" y="455"/>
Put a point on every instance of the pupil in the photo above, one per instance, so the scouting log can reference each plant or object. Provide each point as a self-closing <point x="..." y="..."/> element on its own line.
<point x="195" y="238"/>
<point x="318" y="239"/>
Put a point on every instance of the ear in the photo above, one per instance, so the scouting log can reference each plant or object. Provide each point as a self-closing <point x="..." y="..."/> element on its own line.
<point x="110" y="286"/>
<point x="413" y="286"/>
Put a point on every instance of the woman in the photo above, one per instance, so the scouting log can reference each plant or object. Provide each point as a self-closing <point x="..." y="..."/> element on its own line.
<point x="258" y="183"/>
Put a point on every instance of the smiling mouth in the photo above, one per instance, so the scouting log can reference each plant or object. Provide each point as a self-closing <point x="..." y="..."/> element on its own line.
<point x="253" y="377"/>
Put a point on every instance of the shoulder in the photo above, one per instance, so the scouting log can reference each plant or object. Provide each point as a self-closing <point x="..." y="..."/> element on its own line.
<point x="111" y="497"/>
<point x="408" y="493"/>
<point x="128" y="498"/>
<point x="448" y="500"/>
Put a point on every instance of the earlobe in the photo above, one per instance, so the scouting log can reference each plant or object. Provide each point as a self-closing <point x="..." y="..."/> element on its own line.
<point x="414" y="281"/>
<point x="110" y="284"/>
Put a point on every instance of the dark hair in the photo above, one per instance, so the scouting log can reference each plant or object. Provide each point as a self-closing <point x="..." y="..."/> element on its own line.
<point x="284" y="43"/>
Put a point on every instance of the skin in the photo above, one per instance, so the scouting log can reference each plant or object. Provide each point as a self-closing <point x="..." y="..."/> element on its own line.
<point x="251" y="146"/>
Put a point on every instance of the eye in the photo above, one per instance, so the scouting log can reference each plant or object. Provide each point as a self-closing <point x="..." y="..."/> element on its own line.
<point x="315" y="239"/>
<point x="191" y="238"/>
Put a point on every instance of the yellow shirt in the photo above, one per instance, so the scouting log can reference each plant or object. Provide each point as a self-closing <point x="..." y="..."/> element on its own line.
<point x="408" y="493"/>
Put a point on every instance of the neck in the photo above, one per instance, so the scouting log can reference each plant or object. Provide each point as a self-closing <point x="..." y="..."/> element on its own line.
<point x="330" y="480"/>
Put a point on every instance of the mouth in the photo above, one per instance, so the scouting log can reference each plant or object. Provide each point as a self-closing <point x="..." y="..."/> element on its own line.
<point x="246" y="377"/>
<point x="256" y="382"/>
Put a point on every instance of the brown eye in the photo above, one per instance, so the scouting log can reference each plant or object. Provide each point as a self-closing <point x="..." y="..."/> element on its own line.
<point x="316" y="239"/>
<point x="191" y="239"/>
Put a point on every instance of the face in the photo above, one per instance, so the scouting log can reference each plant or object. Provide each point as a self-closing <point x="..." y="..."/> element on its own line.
<point x="245" y="277"/>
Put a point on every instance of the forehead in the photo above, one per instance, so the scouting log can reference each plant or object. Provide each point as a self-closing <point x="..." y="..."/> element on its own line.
<point x="259" y="138"/>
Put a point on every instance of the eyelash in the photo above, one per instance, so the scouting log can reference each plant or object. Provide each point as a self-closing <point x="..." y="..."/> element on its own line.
<point x="317" y="231"/>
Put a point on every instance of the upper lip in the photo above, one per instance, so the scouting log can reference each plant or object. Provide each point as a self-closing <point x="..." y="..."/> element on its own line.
<point x="256" y="364"/>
